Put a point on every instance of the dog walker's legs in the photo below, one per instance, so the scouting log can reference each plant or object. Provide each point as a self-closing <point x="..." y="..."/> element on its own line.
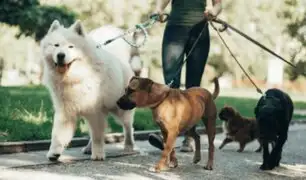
<point x="156" y="141"/>
<point x="169" y="138"/>
<point x="87" y="148"/>
<point x="62" y="133"/>
<point x="266" y="155"/>
<point x="225" y="141"/>
<point x="186" y="144"/>
<point x="97" y="125"/>
<point x="211" y="132"/>
<point x="197" y="154"/>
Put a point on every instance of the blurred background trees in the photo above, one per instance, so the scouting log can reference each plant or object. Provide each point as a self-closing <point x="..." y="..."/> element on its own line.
<point x="280" y="25"/>
<point x="31" y="18"/>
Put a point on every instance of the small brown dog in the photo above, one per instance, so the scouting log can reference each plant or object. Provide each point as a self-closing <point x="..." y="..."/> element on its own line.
<point x="175" y="111"/>
<point x="238" y="128"/>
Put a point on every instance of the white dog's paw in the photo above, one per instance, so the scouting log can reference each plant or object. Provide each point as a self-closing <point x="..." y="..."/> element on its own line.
<point x="98" y="156"/>
<point x="129" y="148"/>
<point x="97" y="153"/>
<point x="53" y="156"/>
<point x="86" y="150"/>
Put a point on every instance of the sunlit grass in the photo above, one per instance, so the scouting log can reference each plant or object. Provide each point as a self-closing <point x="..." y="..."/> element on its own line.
<point x="26" y="113"/>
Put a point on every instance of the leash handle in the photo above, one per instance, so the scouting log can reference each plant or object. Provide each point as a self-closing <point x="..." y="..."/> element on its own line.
<point x="162" y="18"/>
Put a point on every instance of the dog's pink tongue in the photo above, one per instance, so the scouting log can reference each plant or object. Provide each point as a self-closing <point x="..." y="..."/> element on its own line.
<point x="62" y="69"/>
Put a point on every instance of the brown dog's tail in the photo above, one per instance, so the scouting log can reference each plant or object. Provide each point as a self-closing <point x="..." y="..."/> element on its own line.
<point x="217" y="87"/>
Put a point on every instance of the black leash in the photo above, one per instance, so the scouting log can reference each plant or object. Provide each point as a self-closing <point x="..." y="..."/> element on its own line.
<point x="244" y="71"/>
<point x="189" y="52"/>
<point x="226" y="25"/>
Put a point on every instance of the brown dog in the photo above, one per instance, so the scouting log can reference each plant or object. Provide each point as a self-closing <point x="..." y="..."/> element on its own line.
<point x="175" y="111"/>
<point x="238" y="128"/>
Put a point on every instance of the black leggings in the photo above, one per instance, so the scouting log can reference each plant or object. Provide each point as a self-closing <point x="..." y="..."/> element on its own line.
<point x="179" y="39"/>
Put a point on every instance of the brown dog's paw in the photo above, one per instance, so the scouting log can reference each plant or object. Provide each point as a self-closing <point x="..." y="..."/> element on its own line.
<point x="173" y="163"/>
<point x="196" y="159"/>
<point x="209" y="166"/>
<point x="158" y="168"/>
<point x="239" y="150"/>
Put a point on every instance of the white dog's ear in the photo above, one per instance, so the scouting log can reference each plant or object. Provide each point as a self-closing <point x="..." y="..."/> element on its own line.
<point x="54" y="26"/>
<point x="78" y="28"/>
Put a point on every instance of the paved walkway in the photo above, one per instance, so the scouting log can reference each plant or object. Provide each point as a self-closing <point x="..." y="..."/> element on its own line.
<point x="229" y="164"/>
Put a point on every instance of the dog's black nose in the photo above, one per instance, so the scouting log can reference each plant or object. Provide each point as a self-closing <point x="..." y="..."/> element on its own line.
<point x="125" y="104"/>
<point x="60" y="58"/>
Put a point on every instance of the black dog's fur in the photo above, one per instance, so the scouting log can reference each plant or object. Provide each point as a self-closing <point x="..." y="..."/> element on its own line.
<point x="273" y="114"/>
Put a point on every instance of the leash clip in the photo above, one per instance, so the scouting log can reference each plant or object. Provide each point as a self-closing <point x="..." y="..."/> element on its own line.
<point x="171" y="82"/>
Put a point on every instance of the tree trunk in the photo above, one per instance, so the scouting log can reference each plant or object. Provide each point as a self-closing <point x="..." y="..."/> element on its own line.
<point x="276" y="68"/>
<point x="1" y="68"/>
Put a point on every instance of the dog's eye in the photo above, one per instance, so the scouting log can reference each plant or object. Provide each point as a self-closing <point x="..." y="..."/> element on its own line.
<point x="71" y="46"/>
<point x="56" y="45"/>
<point x="128" y="91"/>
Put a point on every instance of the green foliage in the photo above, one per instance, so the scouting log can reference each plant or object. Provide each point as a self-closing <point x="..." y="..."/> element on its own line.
<point x="294" y="73"/>
<point x="33" y="18"/>
<point x="297" y="20"/>
<point x="295" y="15"/>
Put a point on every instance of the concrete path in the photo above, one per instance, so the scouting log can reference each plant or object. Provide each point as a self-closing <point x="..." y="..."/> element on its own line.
<point x="229" y="164"/>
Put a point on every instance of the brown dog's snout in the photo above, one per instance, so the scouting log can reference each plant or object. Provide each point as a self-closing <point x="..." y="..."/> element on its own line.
<point x="125" y="103"/>
<point x="222" y="116"/>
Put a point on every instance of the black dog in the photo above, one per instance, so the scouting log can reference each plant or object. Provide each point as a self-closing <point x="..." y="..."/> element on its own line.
<point x="273" y="114"/>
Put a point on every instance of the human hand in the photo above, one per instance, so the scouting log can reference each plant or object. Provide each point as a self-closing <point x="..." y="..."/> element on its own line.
<point x="213" y="12"/>
<point x="159" y="16"/>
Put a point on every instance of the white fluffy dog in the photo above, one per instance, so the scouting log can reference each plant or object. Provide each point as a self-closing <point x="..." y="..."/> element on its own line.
<point x="84" y="81"/>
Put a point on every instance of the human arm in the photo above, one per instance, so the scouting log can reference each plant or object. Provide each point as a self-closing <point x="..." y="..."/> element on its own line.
<point x="215" y="10"/>
<point x="161" y="5"/>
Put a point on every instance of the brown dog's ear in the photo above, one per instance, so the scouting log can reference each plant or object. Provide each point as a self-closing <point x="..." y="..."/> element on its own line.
<point x="134" y="84"/>
<point x="159" y="89"/>
<point x="149" y="87"/>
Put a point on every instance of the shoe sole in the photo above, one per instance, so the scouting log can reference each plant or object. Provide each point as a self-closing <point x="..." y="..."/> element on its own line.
<point x="156" y="141"/>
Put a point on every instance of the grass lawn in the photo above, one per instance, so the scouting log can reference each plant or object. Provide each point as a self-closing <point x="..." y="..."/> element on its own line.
<point x="26" y="114"/>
